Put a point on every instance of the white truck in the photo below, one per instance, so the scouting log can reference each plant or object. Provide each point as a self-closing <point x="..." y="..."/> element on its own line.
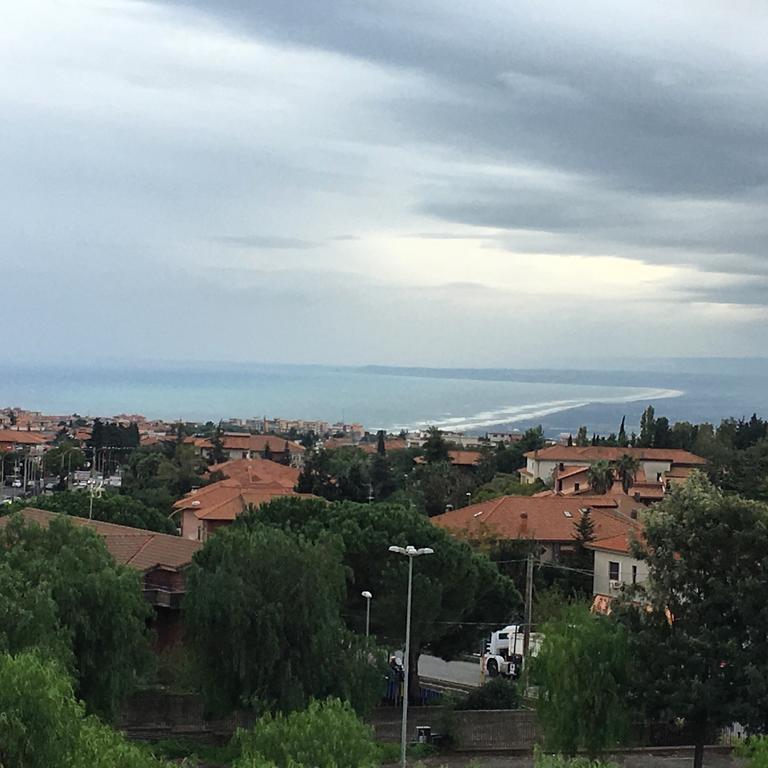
<point x="504" y="651"/>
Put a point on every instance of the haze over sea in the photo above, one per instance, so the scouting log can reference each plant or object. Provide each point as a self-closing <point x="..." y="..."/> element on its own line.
<point x="470" y="400"/>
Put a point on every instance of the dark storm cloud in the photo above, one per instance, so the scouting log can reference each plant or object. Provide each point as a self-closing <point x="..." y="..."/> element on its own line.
<point x="659" y="125"/>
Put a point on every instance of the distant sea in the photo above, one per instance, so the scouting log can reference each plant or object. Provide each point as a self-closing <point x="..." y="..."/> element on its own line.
<point x="469" y="400"/>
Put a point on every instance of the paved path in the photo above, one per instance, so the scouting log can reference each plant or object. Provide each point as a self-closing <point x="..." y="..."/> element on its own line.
<point x="627" y="760"/>
<point x="464" y="673"/>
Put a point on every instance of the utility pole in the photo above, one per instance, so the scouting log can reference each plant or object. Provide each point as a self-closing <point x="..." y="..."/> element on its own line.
<point x="528" y="606"/>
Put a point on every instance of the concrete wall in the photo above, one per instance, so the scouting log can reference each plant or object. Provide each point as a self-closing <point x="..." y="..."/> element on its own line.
<point x="600" y="585"/>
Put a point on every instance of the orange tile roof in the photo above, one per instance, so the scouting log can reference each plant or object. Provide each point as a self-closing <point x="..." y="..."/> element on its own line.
<point x="570" y="471"/>
<point x="393" y="444"/>
<point x="243" y="441"/>
<point x="252" y="471"/>
<point x="574" y="453"/>
<point x="22" y="437"/>
<point x="459" y="458"/>
<point x="618" y="543"/>
<point x="541" y="518"/>
<point x="226" y="499"/>
<point x="135" y="547"/>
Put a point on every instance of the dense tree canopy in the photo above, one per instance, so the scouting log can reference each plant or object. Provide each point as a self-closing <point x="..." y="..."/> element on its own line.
<point x="109" y="507"/>
<point x="457" y="593"/>
<point x="263" y="619"/>
<point x="157" y="476"/>
<point x="82" y="606"/>
<point x="705" y="606"/>
<point x="43" y="725"/>
<point x="583" y="672"/>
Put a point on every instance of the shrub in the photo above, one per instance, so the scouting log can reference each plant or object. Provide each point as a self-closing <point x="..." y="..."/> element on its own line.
<point x="495" y="694"/>
<point x="542" y="760"/>
<point x="42" y="724"/>
<point x="755" y="750"/>
<point x="328" y="734"/>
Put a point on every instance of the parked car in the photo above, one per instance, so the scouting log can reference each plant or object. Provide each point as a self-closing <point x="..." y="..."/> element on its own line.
<point x="16" y="484"/>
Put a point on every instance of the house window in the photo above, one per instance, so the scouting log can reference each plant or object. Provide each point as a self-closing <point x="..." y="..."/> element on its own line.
<point x="559" y="485"/>
<point x="575" y="486"/>
<point x="245" y="454"/>
<point x="614" y="570"/>
<point x="634" y="574"/>
<point x="658" y="477"/>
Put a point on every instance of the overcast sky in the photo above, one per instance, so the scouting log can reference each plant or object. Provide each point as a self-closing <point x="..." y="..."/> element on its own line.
<point x="435" y="182"/>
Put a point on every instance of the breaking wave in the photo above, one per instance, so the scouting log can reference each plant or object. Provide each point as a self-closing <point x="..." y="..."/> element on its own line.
<point x="515" y="413"/>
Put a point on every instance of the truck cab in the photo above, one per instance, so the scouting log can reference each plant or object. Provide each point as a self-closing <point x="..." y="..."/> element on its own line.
<point x="504" y="651"/>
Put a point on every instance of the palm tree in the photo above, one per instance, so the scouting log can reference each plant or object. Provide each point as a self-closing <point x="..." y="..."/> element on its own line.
<point x="627" y="468"/>
<point x="600" y="476"/>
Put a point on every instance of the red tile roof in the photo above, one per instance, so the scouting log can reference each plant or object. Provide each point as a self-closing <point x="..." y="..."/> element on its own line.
<point x="543" y="518"/>
<point x="619" y="543"/>
<point x="253" y="471"/>
<point x="574" y="453"/>
<point x="22" y="437"/>
<point x="391" y="444"/>
<point x="459" y="458"/>
<point x="135" y="547"/>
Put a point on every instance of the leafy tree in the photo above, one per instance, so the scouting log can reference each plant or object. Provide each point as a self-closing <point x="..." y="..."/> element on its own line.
<point x="454" y="590"/>
<point x="700" y="639"/>
<point x="29" y="618"/>
<point x="622" y="439"/>
<point x="583" y="672"/>
<point x="661" y="433"/>
<point x="110" y="508"/>
<point x="497" y="693"/>
<point x="327" y="734"/>
<point x="381" y="476"/>
<point x="339" y="474"/>
<point x="218" y="454"/>
<point x="158" y="476"/>
<point x="485" y="470"/>
<point x="582" y="439"/>
<point x="434" y="486"/>
<point x="435" y="448"/>
<point x="578" y="582"/>
<point x="600" y="477"/>
<point x="43" y="725"/>
<point x="262" y="618"/>
<point x="627" y="468"/>
<point x="506" y="485"/>
<point x="381" y="445"/>
<point x="532" y="439"/>
<point x="40" y="716"/>
<point x="647" y="428"/>
<point x="98" y="605"/>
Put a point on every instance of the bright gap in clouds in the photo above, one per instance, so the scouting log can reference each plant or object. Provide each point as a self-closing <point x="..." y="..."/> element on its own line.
<point x="165" y="160"/>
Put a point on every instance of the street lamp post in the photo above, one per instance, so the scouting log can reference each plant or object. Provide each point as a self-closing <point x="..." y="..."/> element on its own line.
<point x="367" y="595"/>
<point x="410" y="552"/>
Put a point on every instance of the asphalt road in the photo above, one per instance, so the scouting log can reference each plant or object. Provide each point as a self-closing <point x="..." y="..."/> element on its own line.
<point x="461" y="672"/>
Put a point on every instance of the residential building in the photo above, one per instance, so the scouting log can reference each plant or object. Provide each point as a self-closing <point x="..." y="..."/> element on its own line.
<point x="548" y="520"/>
<point x="249" y="482"/>
<point x="241" y="445"/>
<point x="22" y="440"/>
<point x="615" y="568"/>
<point x="161" y="559"/>
<point x="467" y="460"/>
<point x="565" y="466"/>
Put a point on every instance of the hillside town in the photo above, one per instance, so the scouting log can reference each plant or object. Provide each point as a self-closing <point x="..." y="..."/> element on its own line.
<point x="536" y="536"/>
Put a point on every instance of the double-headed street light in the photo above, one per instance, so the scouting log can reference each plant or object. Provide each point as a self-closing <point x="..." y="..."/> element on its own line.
<point x="367" y="595"/>
<point x="410" y="552"/>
